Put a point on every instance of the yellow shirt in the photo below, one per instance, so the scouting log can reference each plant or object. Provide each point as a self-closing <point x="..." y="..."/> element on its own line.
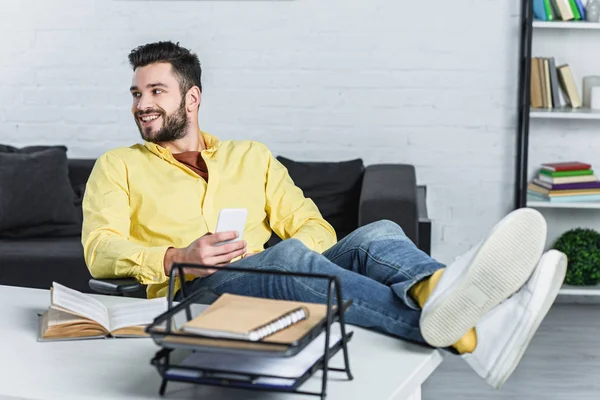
<point x="139" y="201"/>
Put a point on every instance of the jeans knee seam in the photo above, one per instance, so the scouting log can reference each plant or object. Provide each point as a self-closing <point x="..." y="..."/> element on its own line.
<point x="374" y="259"/>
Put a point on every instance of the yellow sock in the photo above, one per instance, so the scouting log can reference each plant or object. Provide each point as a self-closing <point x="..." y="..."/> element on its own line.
<point x="421" y="291"/>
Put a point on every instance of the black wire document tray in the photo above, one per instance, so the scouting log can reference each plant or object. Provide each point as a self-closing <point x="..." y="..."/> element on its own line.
<point x="241" y="363"/>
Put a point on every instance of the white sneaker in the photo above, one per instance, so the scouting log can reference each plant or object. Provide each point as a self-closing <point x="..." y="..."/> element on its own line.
<point x="484" y="277"/>
<point x="504" y="333"/>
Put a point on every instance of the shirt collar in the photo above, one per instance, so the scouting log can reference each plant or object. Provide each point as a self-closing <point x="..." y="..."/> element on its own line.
<point x="212" y="144"/>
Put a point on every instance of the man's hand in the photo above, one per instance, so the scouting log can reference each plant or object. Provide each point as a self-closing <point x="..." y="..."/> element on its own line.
<point x="203" y="251"/>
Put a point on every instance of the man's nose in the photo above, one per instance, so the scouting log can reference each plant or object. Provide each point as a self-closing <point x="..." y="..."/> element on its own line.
<point x="145" y="102"/>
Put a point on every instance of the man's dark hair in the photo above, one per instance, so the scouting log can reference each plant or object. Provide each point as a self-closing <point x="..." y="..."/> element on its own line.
<point x="185" y="64"/>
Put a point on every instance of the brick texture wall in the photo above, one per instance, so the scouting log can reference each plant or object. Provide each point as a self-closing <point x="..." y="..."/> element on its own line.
<point x="427" y="83"/>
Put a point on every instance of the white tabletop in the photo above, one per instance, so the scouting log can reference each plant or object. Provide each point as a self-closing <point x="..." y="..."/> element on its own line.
<point x="383" y="367"/>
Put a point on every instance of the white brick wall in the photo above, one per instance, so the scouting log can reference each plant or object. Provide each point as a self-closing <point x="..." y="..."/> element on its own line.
<point x="427" y="83"/>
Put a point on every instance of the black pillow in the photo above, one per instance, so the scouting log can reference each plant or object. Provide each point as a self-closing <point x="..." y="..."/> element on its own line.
<point x="333" y="186"/>
<point x="35" y="187"/>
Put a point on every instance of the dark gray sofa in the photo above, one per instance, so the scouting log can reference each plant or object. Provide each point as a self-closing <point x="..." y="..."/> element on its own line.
<point x="382" y="192"/>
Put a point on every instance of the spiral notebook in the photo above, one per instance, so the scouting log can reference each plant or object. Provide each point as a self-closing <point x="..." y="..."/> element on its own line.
<point x="246" y="318"/>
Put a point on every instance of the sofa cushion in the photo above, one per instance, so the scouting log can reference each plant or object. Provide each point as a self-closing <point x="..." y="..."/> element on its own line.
<point x="38" y="262"/>
<point x="333" y="186"/>
<point x="34" y="188"/>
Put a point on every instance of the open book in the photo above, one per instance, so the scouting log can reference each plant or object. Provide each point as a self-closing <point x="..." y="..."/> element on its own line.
<point x="74" y="315"/>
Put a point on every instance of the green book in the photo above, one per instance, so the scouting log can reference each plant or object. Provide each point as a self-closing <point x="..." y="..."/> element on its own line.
<point x="575" y="10"/>
<point x="556" y="174"/>
<point x="549" y="10"/>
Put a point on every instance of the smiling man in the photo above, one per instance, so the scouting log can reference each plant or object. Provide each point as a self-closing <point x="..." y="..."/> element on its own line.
<point x="153" y="204"/>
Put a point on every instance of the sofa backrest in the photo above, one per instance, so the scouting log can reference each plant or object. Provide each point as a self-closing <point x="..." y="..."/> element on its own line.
<point x="79" y="170"/>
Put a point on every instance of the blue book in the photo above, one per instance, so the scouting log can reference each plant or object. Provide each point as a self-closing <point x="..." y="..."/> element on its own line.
<point x="584" y="198"/>
<point x="581" y="8"/>
<point x="539" y="10"/>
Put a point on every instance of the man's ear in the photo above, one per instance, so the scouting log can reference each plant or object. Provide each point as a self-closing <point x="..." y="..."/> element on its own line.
<point x="193" y="99"/>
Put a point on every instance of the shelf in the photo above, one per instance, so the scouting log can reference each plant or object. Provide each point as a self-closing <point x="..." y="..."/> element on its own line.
<point x="566" y="25"/>
<point x="535" y="203"/>
<point x="564" y="113"/>
<point x="568" y="290"/>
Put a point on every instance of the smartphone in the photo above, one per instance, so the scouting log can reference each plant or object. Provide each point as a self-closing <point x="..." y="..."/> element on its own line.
<point x="231" y="219"/>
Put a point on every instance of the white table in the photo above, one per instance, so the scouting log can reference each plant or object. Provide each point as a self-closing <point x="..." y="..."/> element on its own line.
<point x="383" y="367"/>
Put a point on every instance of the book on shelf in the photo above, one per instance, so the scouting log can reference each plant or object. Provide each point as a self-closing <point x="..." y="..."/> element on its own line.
<point x="242" y="317"/>
<point x="562" y="192"/>
<point x="566" y="186"/>
<point x="563" y="10"/>
<point x="568" y="86"/>
<point x="561" y="174"/>
<point x="570" y="181"/>
<point x="75" y="315"/>
<point x="567" y="179"/>
<point x="564" y="199"/>
<point x="547" y="84"/>
<point x="542" y="10"/>
<point x="581" y="8"/>
<point x="555" y="10"/>
<point x="566" y="166"/>
<point x="552" y="86"/>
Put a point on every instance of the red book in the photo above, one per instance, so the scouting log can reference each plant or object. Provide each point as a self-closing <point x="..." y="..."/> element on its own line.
<point x="566" y="166"/>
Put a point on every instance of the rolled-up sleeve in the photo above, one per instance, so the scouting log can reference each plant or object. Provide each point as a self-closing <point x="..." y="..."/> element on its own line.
<point x="291" y="215"/>
<point x="108" y="250"/>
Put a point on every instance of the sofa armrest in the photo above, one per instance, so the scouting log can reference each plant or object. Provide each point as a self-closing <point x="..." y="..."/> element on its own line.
<point x="389" y="191"/>
<point x="115" y="286"/>
<point x="424" y="231"/>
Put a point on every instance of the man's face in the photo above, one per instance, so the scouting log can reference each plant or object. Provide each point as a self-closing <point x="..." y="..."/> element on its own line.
<point x="158" y="106"/>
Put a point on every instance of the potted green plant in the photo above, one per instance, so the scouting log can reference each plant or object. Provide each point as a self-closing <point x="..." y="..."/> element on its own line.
<point x="582" y="247"/>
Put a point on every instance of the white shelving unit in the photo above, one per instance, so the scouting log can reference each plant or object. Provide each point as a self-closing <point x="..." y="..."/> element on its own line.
<point x="567" y="291"/>
<point x="565" y="25"/>
<point x="564" y="113"/>
<point x="546" y="204"/>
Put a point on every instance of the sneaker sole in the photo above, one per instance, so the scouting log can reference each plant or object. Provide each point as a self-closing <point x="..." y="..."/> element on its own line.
<point x="510" y="360"/>
<point x="502" y="265"/>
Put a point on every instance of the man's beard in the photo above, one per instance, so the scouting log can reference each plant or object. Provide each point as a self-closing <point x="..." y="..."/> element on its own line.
<point x="174" y="125"/>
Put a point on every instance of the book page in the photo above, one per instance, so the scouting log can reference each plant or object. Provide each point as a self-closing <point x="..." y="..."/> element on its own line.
<point x="57" y="324"/>
<point x="135" y="313"/>
<point x="78" y="303"/>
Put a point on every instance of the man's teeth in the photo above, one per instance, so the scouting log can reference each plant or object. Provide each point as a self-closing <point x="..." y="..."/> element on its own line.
<point x="149" y="118"/>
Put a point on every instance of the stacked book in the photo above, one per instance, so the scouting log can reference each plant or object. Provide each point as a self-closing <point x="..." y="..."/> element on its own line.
<point x="565" y="182"/>
<point x="559" y="10"/>
<point x="550" y="84"/>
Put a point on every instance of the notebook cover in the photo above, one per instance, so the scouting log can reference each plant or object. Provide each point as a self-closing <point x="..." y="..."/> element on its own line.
<point x="236" y="313"/>
<point x="566" y="166"/>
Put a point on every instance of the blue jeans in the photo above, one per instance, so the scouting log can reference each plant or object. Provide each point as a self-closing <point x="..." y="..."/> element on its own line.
<point x="376" y="264"/>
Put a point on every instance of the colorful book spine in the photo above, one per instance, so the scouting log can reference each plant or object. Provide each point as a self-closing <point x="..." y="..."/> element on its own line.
<point x="581" y="9"/>
<point x="539" y="10"/>
<point x="575" y="9"/>
<point x="567" y="186"/>
<point x="566" y="166"/>
<point x="566" y="199"/>
<point x="558" y="174"/>
<point x="549" y="11"/>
